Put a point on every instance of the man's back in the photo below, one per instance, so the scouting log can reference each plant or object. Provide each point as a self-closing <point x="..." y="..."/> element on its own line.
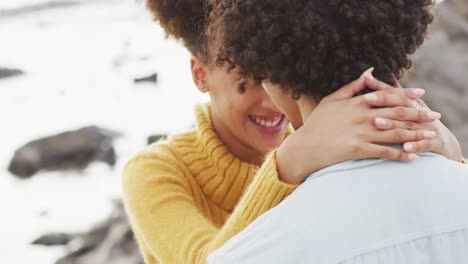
<point x="368" y="211"/>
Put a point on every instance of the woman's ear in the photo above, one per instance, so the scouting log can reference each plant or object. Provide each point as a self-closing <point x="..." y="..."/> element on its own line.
<point x="199" y="73"/>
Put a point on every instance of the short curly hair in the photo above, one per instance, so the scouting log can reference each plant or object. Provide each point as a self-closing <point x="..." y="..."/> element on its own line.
<point x="184" y="20"/>
<point x="313" y="47"/>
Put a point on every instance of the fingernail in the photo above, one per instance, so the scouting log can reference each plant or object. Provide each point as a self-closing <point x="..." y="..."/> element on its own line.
<point x="429" y="134"/>
<point x="413" y="157"/>
<point x="418" y="92"/>
<point x="371" y="97"/>
<point x="433" y="115"/>
<point x="408" y="147"/>
<point x="381" y="122"/>
<point x="368" y="71"/>
<point x="368" y="76"/>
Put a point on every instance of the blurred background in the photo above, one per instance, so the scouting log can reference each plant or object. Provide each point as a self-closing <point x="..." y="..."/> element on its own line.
<point x="85" y="84"/>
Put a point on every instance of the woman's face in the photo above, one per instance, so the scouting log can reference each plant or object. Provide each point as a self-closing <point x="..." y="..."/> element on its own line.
<point x="249" y="124"/>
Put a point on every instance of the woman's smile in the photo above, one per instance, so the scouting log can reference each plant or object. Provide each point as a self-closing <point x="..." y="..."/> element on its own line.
<point x="268" y="124"/>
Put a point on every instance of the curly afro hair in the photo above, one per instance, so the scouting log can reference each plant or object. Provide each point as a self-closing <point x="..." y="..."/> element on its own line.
<point x="184" y="20"/>
<point x="313" y="47"/>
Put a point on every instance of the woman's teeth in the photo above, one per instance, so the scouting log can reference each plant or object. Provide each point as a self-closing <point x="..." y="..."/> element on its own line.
<point x="262" y="122"/>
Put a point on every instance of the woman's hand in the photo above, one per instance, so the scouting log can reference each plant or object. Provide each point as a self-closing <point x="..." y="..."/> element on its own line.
<point x="445" y="143"/>
<point x="342" y="127"/>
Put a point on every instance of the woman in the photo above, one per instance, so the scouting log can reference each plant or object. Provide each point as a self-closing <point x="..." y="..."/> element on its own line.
<point x="187" y="195"/>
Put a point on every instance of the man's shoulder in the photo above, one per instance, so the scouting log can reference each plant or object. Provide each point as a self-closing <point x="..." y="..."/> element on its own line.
<point x="357" y="206"/>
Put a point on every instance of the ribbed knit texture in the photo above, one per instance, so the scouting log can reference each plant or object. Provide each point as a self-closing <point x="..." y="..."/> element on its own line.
<point x="187" y="195"/>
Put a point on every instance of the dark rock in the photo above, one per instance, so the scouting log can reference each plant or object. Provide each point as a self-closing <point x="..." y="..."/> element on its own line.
<point x="54" y="239"/>
<point x="150" y="78"/>
<point x="6" y="73"/>
<point x="69" y="150"/>
<point x="155" y="138"/>
<point x="109" y="242"/>
<point x="441" y="67"/>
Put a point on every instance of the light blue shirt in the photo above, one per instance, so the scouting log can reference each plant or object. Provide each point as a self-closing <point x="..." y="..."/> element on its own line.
<point x="367" y="211"/>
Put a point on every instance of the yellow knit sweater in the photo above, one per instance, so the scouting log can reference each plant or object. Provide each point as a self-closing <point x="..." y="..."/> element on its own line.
<point x="185" y="196"/>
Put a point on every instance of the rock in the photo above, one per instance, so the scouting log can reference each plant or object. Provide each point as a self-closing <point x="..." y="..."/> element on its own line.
<point x="69" y="150"/>
<point x="54" y="239"/>
<point x="441" y="67"/>
<point x="154" y="138"/>
<point x="109" y="242"/>
<point x="150" y="78"/>
<point x="6" y="73"/>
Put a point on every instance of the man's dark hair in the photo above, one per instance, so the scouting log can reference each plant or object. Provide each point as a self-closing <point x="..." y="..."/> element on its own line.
<point x="184" y="20"/>
<point x="313" y="47"/>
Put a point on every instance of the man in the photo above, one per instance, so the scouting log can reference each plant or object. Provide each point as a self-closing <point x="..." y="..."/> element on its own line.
<point x="361" y="211"/>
